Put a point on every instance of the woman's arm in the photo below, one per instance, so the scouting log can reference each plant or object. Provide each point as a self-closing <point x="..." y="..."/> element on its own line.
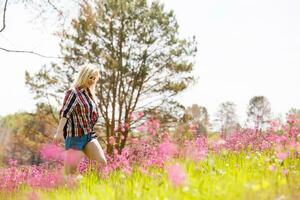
<point x="60" y="130"/>
<point x="65" y="112"/>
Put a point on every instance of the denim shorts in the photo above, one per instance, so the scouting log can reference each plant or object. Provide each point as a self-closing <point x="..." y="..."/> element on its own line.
<point x="79" y="142"/>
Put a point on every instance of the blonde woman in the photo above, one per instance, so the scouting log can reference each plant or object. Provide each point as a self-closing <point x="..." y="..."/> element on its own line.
<point x="78" y="117"/>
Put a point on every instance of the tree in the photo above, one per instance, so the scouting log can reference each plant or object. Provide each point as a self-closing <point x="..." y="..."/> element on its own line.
<point x="198" y="116"/>
<point x="25" y="133"/>
<point x="166" y="117"/>
<point x="226" y="117"/>
<point x="259" y="112"/>
<point x="143" y="62"/>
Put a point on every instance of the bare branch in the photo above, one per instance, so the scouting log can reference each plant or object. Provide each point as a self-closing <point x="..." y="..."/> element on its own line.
<point x="55" y="8"/>
<point x="31" y="52"/>
<point x="51" y="109"/>
<point x="3" y="18"/>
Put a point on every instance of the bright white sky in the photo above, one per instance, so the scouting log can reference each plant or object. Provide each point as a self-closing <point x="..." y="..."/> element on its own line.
<point x="245" y="48"/>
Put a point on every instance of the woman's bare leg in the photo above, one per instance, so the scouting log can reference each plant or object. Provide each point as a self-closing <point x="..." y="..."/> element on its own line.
<point x="72" y="159"/>
<point x="94" y="151"/>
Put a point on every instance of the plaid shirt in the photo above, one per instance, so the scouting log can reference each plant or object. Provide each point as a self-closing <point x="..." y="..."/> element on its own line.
<point x="81" y="112"/>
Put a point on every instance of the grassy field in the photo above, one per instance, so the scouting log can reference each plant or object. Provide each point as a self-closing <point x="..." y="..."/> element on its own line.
<point x="228" y="175"/>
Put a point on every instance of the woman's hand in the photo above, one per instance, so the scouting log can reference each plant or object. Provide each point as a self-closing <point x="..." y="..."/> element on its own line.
<point x="58" y="137"/>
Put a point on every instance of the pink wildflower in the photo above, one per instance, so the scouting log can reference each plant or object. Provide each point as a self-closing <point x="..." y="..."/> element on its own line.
<point x="32" y="196"/>
<point x="52" y="152"/>
<point x="176" y="175"/>
<point x="167" y="149"/>
<point x="282" y="155"/>
<point x="111" y="140"/>
<point x="285" y="171"/>
<point x="272" y="168"/>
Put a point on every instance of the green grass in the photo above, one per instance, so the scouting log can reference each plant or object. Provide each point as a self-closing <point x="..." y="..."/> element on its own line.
<point x="224" y="176"/>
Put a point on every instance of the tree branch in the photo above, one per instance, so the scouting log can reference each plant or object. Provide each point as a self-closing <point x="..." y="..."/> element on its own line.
<point x="3" y="18"/>
<point x="24" y="51"/>
<point x="30" y="52"/>
<point x="55" y="8"/>
<point x="51" y="109"/>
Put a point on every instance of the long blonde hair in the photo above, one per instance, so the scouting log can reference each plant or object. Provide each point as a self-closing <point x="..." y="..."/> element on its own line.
<point x="85" y="71"/>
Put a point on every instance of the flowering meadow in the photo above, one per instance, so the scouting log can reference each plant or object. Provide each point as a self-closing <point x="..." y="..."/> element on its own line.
<point x="247" y="164"/>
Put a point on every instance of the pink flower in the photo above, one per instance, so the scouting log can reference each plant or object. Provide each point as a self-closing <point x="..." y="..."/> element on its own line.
<point x="136" y="116"/>
<point x="52" y="152"/>
<point x="274" y="125"/>
<point x="167" y="149"/>
<point x="143" y="170"/>
<point x="140" y="114"/>
<point x="176" y="175"/>
<point x="127" y="170"/>
<point x="272" y="168"/>
<point x="134" y="140"/>
<point x="116" y="151"/>
<point x="220" y="142"/>
<point x="12" y="162"/>
<point x="285" y="171"/>
<point x="282" y="155"/>
<point x="33" y="196"/>
<point x="141" y="128"/>
<point x="291" y="119"/>
<point x="111" y="140"/>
